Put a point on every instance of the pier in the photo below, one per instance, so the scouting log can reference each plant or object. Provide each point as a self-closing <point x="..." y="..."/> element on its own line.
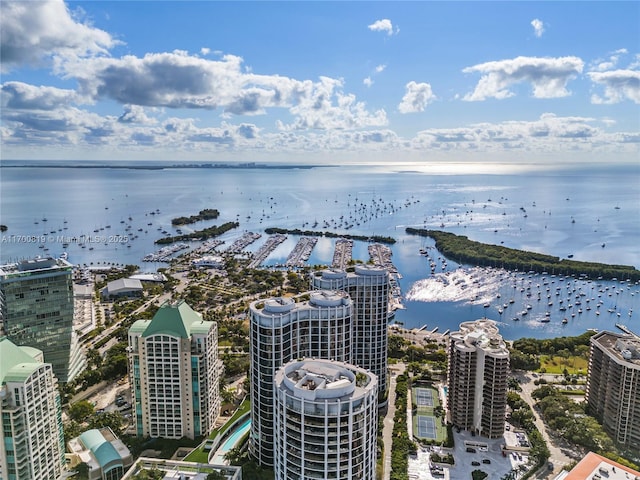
<point x="165" y="254"/>
<point x="381" y="255"/>
<point x="342" y="253"/>
<point x="301" y="252"/>
<point x="246" y="239"/>
<point x="265" y="250"/>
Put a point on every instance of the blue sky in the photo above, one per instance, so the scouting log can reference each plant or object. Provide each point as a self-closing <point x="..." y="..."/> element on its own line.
<point x="335" y="82"/>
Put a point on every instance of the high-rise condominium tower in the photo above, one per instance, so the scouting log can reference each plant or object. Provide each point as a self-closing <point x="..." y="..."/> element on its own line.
<point x="326" y="416"/>
<point x="368" y="287"/>
<point x="175" y="373"/>
<point x="613" y="386"/>
<point x="31" y="436"/>
<point x="478" y="373"/>
<point x="36" y="306"/>
<point x="281" y="330"/>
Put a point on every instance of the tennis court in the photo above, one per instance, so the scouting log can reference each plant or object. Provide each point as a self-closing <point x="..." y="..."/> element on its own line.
<point x="424" y="397"/>
<point x="426" y="427"/>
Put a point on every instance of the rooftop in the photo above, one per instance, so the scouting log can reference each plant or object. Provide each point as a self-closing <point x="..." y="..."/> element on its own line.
<point x="598" y="467"/>
<point x="624" y="348"/>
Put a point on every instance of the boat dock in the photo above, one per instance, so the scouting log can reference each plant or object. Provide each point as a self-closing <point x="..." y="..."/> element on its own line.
<point x="381" y="255"/>
<point x="165" y="254"/>
<point x="265" y="250"/>
<point x="301" y="252"/>
<point x="342" y="253"/>
<point x="246" y="239"/>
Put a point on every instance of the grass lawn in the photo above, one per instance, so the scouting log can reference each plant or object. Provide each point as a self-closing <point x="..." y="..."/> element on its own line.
<point x="557" y="364"/>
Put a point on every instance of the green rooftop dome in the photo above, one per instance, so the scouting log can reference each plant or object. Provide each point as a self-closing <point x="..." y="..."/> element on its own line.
<point x="174" y="319"/>
<point x="105" y="453"/>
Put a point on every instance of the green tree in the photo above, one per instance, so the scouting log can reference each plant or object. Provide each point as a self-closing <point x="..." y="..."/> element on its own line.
<point x="81" y="411"/>
<point x="82" y="471"/>
<point x="216" y="475"/>
<point x="113" y="420"/>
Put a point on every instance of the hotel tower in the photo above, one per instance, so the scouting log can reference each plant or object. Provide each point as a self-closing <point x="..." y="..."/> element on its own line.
<point x="281" y="330"/>
<point x="368" y="287"/>
<point x="175" y="373"/>
<point x="325" y="419"/>
<point x="478" y="373"/>
<point x="36" y="310"/>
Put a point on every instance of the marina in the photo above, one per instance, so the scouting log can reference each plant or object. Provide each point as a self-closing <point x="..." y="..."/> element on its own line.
<point x="434" y="289"/>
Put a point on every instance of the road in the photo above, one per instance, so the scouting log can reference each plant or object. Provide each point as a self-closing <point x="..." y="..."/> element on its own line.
<point x="557" y="456"/>
<point x="387" y="429"/>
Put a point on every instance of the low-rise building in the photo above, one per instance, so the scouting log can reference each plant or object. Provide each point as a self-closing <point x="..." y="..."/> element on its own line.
<point x="105" y="455"/>
<point x="597" y="467"/>
<point x="176" y="470"/>
<point x="122" y="287"/>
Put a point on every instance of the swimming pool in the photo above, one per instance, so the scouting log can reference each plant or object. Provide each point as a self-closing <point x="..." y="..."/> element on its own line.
<point x="231" y="441"/>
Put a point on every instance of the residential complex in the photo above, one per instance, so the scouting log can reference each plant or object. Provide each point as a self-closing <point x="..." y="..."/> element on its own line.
<point x="36" y="309"/>
<point x="31" y="436"/>
<point x="175" y="373"/>
<point x="477" y="379"/>
<point x="368" y="287"/>
<point x="281" y="330"/>
<point x="613" y="386"/>
<point x="325" y="421"/>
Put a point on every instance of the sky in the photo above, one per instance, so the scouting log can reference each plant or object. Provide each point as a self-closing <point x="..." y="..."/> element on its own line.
<point x="321" y="82"/>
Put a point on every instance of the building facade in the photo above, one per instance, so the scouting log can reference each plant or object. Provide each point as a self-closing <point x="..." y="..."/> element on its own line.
<point x="281" y="330"/>
<point x="368" y="286"/>
<point x="613" y="386"/>
<point x="326" y="416"/>
<point x="477" y="378"/>
<point x="175" y="373"/>
<point x="36" y="306"/>
<point x="31" y="436"/>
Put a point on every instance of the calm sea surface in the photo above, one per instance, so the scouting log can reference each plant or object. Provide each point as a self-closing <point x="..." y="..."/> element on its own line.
<point x="591" y="214"/>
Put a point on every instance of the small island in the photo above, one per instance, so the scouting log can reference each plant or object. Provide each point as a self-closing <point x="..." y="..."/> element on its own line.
<point x="199" y="234"/>
<point x="311" y="233"/>
<point x="462" y="250"/>
<point x="206" y="214"/>
<point x="3" y="228"/>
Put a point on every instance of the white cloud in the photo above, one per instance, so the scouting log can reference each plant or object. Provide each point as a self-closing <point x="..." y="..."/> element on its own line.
<point x="33" y="31"/>
<point x="610" y="62"/>
<point x="538" y="27"/>
<point x="383" y="25"/>
<point x="618" y="85"/>
<point x="205" y="51"/>
<point x="380" y="68"/>
<point x="548" y="76"/>
<point x="416" y="98"/>
<point x="22" y="96"/>
<point x="368" y="82"/>
<point x="135" y="114"/>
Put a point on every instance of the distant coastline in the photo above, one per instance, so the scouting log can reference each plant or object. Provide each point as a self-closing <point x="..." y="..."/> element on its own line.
<point x="151" y="165"/>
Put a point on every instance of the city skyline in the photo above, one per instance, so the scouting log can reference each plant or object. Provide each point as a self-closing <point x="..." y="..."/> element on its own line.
<point x="321" y="82"/>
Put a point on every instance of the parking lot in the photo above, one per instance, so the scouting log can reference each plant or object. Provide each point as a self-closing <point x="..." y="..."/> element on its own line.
<point x="473" y="453"/>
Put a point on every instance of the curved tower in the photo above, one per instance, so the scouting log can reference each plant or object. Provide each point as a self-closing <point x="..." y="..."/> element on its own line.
<point x="282" y="329"/>
<point x="368" y="287"/>
<point x="326" y="416"/>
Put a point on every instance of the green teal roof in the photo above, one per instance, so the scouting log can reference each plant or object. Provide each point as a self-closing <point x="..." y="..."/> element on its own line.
<point x="16" y="363"/>
<point x="177" y="320"/>
<point x="104" y="452"/>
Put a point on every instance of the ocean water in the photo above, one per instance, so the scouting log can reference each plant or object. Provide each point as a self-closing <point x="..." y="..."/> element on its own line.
<point x="113" y="215"/>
